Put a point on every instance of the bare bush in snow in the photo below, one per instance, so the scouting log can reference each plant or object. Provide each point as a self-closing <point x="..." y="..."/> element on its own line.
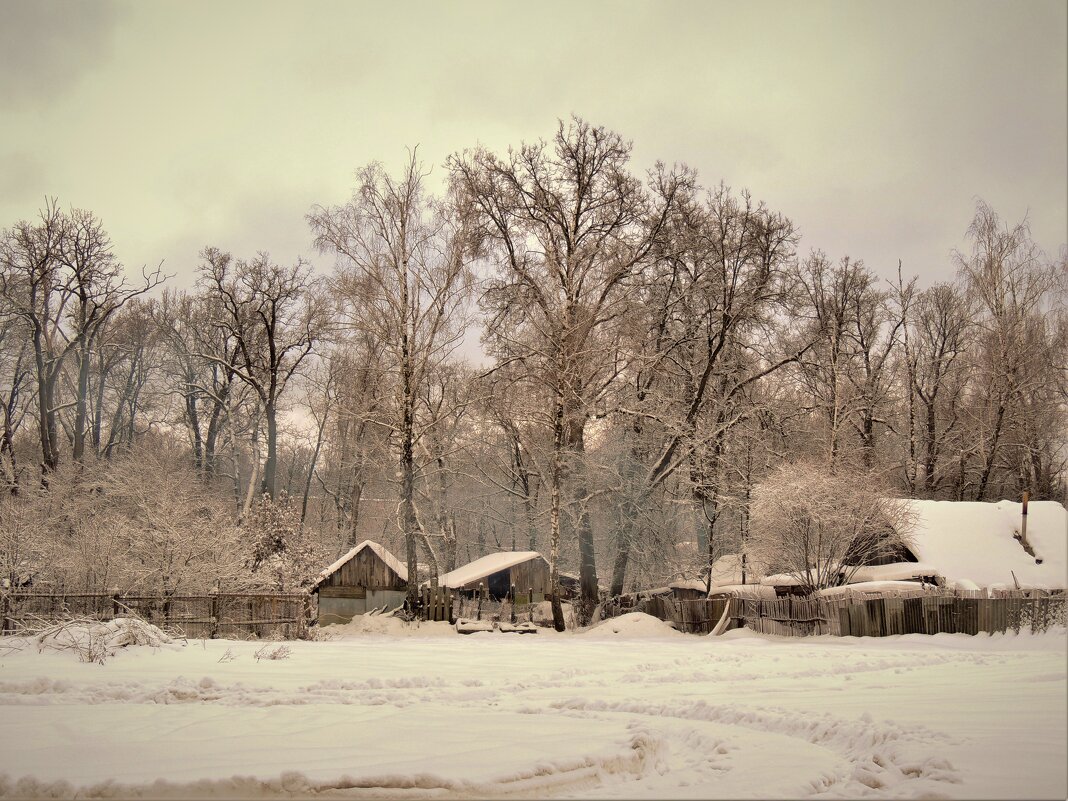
<point x="819" y="526"/>
<point x="278" y="652"/>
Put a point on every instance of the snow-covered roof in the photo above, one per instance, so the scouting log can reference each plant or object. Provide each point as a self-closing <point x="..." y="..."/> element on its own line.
<point x="391" y="561"/>
<point x="968" y="541"/>
<point x="687" y="584"/>
<point x="744" y="591"/>
<point x="480" y="568"/>
<point x="897" y="571"/>
<point x="875" y="587"/>
<point x="781" y="580"/>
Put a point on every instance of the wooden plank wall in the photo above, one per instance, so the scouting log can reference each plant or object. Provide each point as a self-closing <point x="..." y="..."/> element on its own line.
<point x="365" y="569"/>
<point x="532" y="574"/>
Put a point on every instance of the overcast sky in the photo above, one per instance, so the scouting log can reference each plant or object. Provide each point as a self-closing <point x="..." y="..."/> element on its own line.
<point x="873" y="126"/>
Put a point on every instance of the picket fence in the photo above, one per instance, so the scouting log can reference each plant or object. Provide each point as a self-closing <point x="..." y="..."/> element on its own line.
<point x="922" y="612"/>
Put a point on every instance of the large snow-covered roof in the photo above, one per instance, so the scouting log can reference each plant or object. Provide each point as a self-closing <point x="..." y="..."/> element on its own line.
<point x="480" y="568"/>
<point x="381" y="551"/>
<point x="974" y="542"/>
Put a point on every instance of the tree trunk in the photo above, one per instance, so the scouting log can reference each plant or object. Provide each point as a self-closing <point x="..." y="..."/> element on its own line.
<point x="991" y="455"/>
<point x="270" y="467"/>
<point x="211" y="440"/>
<point x="46" y="417"/>
<point x="311" y="472"/>
<point x="80" y="413"/>
<point x="193" y="418"/>
<point x="554" y="516"/>
<point x="98" y="406"/>
<point x="408" y="522"/>
<point x="576" y="470"/>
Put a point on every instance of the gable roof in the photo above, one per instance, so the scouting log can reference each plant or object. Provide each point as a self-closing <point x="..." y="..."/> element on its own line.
<point x="392" y="562"/>
<point x="974" y="542"/>
<point x="480" y="568"/>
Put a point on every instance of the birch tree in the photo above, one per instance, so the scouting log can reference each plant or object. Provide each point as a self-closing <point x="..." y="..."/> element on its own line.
<point x="401" y="277"/>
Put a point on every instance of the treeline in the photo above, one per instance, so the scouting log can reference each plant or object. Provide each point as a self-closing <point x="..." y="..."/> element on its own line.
<point x="654" y="350"/>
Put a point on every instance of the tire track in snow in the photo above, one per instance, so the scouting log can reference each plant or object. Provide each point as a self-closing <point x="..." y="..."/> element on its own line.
<point x="882" y="758"/>
<point x="641" y="755"/>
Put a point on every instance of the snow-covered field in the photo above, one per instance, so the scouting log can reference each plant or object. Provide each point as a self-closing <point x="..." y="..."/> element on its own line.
<point x="630" y="709"/>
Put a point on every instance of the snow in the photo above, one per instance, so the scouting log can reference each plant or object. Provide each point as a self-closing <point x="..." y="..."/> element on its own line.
<point x="633" y="625"/>
<point x="382" y="552"/>
<point x="974" y="542"/>
<point x="643" y="712"/>
<point x="487" y="565"/>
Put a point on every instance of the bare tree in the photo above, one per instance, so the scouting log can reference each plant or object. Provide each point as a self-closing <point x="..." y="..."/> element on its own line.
<point x="1011" y="280"/>
<point x="569" y="229"/>
<point x="33" y="287"/>
<point x="275" y="315"/>
<point x="713" y="328"/>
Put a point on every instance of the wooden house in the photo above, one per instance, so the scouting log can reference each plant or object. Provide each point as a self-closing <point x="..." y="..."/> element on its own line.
<point x="497" y="572"/>
<point x="367" y="577"/>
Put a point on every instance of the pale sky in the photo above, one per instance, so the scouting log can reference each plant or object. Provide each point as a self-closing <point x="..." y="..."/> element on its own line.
<point x="872" y="126"/>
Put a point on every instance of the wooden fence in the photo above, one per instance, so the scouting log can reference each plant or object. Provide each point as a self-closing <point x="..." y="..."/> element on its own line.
<point x="923" y="612"/>
<point x="215" y="615"/>
<point x="437" y="604"/>
<point x="518" y="607"/>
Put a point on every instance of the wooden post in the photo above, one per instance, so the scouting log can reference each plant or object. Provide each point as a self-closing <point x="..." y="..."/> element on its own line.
<point x="215" y="611"/>
<point x="530" y="606"/>
<point x="5" y="613"/>
<point x="512" y="590"/>
<point x="481" y="592"/>
<point x="1023" y="523"/>
<point x="116" y="605"/>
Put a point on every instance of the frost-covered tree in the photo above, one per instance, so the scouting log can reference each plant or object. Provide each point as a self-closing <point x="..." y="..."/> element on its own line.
<point x="820" y="525"/>
<point x="284" y="556"/>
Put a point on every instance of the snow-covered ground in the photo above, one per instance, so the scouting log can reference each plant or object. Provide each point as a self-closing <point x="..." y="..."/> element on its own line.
<point x="630" y="709"/>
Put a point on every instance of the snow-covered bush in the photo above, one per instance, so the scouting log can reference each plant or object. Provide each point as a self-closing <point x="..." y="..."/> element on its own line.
<point x="284" y="556"/>
<point x="95" y="641"/>
<point x="143" y="523"/>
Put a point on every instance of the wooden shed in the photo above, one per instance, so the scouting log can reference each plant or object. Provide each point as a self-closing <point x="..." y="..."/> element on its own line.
<point x="497" y="572"/>
<point x="367" y="577"/>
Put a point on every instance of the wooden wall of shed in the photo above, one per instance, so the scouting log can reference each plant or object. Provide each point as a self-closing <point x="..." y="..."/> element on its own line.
<point x="366" y="569"/>
<point x="533" y="573"/>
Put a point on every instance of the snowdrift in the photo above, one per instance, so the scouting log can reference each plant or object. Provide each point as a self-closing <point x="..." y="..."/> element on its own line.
<point x="633" y="625"/>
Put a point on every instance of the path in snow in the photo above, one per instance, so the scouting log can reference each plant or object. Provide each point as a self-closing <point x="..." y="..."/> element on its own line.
<point x="642" y="713"/>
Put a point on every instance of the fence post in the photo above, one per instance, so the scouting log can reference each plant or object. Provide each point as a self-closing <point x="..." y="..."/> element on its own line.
<point x="513" y="603"/>
<point x="215" y="612"/>
<point x="4" y="614"/>
<point x="530" y="606"/>
<point x="481" y="591"/>
<point x="116" y="605"/>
